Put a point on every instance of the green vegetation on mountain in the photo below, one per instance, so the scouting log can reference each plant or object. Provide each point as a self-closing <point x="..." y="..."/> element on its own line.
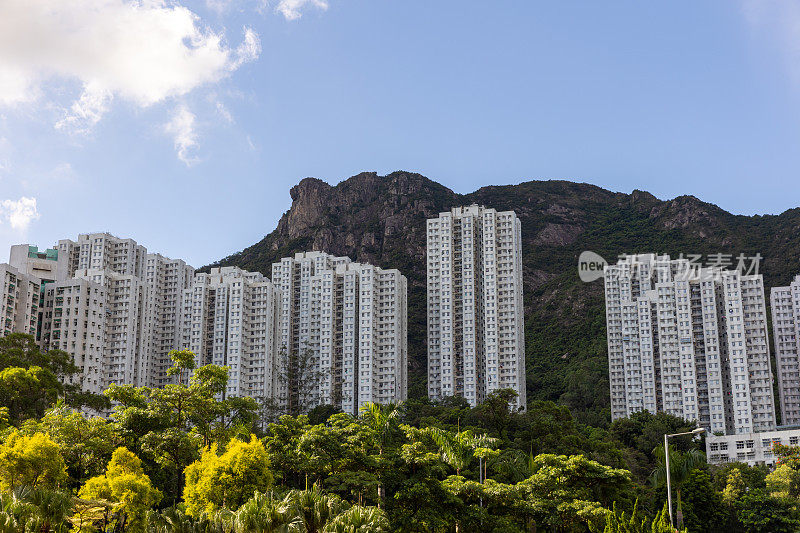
<point x="381" y="220"/>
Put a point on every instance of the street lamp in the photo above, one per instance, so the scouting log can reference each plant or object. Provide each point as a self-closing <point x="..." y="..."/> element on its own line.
<point x="696" y="431"/>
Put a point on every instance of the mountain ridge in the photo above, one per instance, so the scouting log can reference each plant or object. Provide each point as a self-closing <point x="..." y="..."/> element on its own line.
<point x="381" y="220"/>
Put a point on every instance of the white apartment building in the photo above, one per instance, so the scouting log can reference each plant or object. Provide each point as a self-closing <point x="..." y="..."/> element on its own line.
<point x="137" y="310"/>
<point x="229" y="318"/>
<point x="476" y="341"/>
<point x="44" y="265"/>
<point x="19" y="301"/>
<point x="688" y="341"/>
<point x="74" y="320"/>
<point x="351" y="320"/>
<point x="785" y="302"/>
<point x="166" y="280"/>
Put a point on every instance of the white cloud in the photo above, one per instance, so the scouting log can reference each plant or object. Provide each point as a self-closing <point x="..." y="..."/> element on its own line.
<point x="19" y="213"/>
<point x="87" y="111"/>
<point x="182" y="129"/>
<point x="224" y="113"/>
<point x="292" y="9"/>
<point x="142" y="51"/>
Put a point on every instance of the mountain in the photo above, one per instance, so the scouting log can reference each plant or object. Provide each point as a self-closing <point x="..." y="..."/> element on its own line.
<point x="381" y="220"/>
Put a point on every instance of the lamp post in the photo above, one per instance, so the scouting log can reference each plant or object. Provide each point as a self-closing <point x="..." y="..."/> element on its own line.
<point x="696" y="431"/>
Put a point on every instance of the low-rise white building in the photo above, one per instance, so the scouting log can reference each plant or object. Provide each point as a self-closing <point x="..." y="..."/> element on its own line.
<point x="750" y="448"/>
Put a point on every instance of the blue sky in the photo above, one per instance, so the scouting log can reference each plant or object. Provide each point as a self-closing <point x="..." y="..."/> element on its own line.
<point x="184" y="124"/>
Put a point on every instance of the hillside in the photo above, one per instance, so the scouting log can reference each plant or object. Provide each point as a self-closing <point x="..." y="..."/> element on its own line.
<point x="381" y="220"/>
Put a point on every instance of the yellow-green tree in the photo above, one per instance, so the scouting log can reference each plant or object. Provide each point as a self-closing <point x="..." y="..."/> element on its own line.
<point x="227" y="480"/>
<point x="128" y="488"/>
<point x="30" y="461"/>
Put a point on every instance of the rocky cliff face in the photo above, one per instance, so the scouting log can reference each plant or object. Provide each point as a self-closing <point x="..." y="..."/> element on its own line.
<point x="381" y="220"/>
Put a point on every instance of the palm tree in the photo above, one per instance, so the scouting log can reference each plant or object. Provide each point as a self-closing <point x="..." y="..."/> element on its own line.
<point x="263" y="513"/>
<point x="680" y="465"/>
<point x="53" y="509"/>
<point x="41" y="510"/>
<point x="174" y="520"/>
<point x="314" y="508"/>
<point x="358" y="518"/>
<point x="381" y="420"/>
<point x="458" y="449"/>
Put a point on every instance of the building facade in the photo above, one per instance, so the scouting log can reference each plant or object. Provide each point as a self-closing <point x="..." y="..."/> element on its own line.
<point x="476" y="338"/>
<point x="688" y="341"/>
<point x="785" y="302"/>
<point x="346" y="323"/>
<point x="229" y="318"/>
<point x="74" y="320"/>
<point x="166" y="281"/>
<point x="19" y="301"/>
<point x="750" y="448"/>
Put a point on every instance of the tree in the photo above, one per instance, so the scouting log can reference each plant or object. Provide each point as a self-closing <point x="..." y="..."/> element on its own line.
<point x="302" y="376"/>
<point x="702" y="505"/>
<point x="127" y="488"/>
<point x="32" y="380"/>
<point x="358" y="519"/>
<point x="169" y="425"/>
<point x="314" y="508"/>
<point x="618" y="522"/>
<point x="759" y="512"/>
<point x="566" y="491"/>
<point x="264" y="513"/>
<point x="227" y="480"/>
<point x="86" y="443"/>
<point x="30" y="461"/>
<point x="381" y="421"/>
<point x="458" y="449"/>
<point x="681" y="465"/>
<point x="661" y="523"/>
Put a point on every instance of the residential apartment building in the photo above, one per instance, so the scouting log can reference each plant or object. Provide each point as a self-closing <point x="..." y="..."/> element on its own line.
<point x="476" y="342"/>
<point x="135" y="306"/>
<point x="688" y="341"/>
<point x="785" y="302"/>
<point x="166" y="280"/>
<point x="19" y="301"/>
<point x="229" y="318"/>
<point x="345" y="321"/>
<point x="44" y="265"/>
<point x="74" y="320"/>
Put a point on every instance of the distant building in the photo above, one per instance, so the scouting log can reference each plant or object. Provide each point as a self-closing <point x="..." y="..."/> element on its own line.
<point x="74" y="320"/>
<point x="166" y="281"/>
<point x="119" y="311"/>
<point x="785" y="303"/>
<point x="688" y="341"/>
<point x="229" y="318"/>
<point x="111" y="305"/>
<point x="750" y="448"/>
<point x="350" y="320"/>
<point x="476" y="340"/>
<point x="19" y="301"/>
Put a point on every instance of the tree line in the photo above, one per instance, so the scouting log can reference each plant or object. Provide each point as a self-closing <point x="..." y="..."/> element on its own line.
<point x="182" y="458"/>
